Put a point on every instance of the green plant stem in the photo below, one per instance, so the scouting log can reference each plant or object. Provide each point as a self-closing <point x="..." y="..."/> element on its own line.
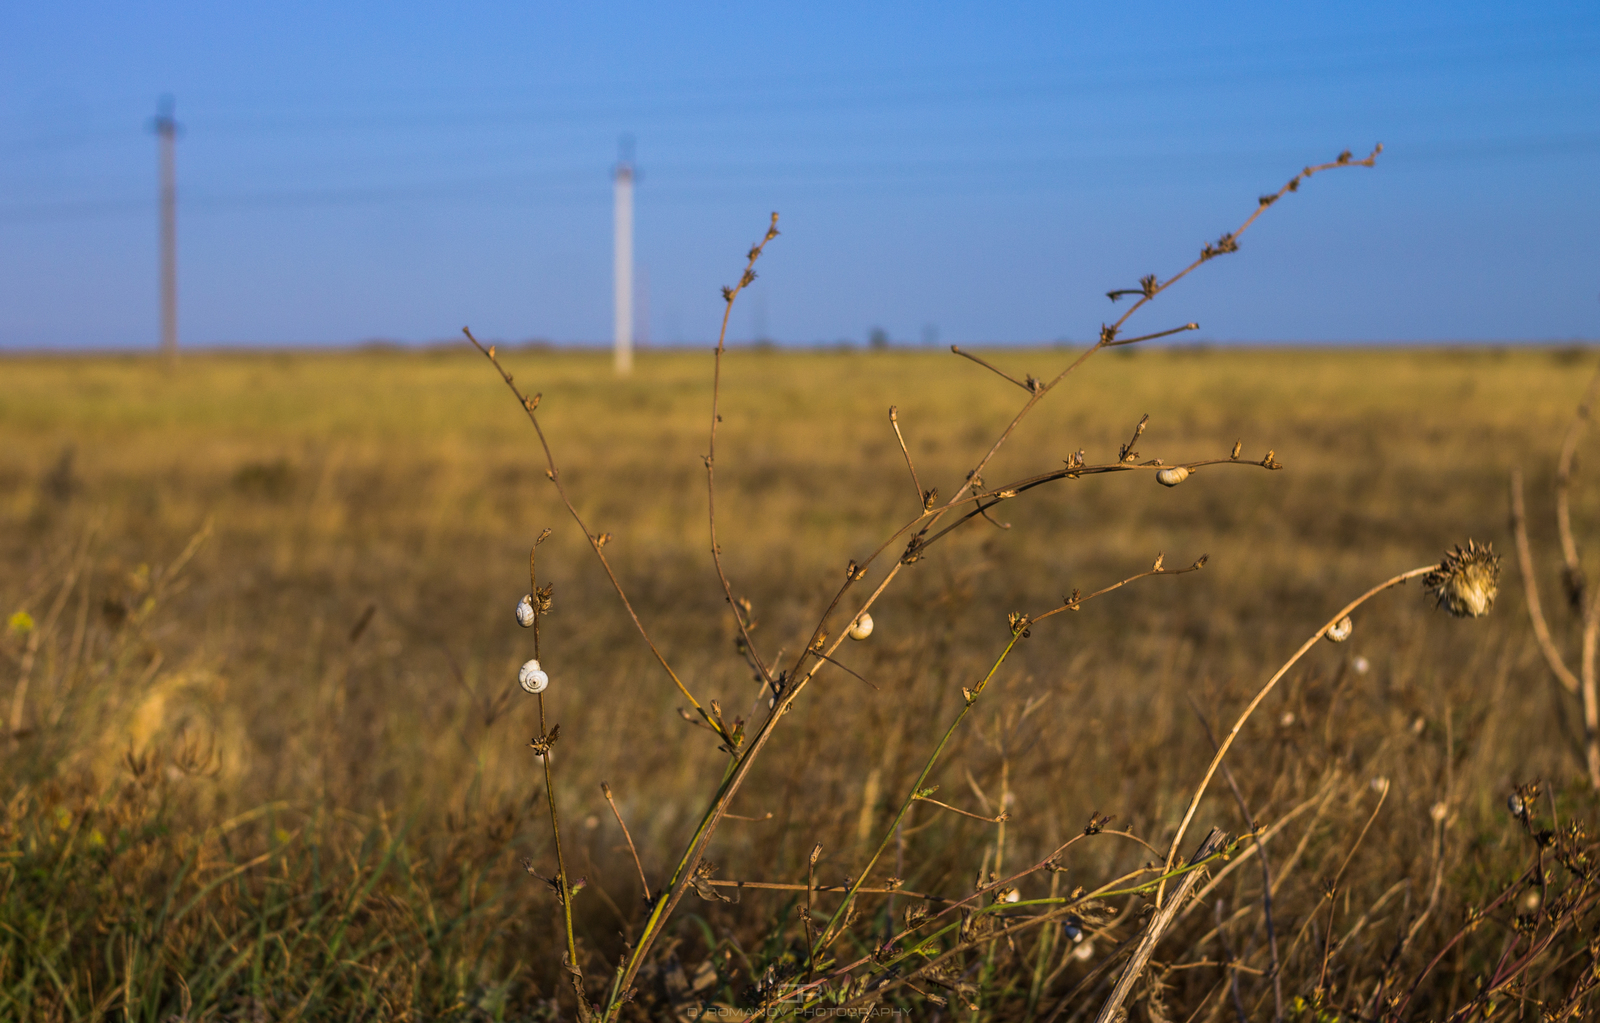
<point x="828" y="931"/>
<point x="1061" y="904"/>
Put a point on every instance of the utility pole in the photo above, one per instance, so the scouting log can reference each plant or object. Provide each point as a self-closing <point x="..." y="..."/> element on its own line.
<point x="622" y="267"/>
<point x="166" y="130"/>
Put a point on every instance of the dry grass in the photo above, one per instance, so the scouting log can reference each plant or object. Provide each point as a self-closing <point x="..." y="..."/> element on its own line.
<point x="408" y="483"/>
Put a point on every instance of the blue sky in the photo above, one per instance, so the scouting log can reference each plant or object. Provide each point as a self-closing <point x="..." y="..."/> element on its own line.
<point x="962" y="172"/>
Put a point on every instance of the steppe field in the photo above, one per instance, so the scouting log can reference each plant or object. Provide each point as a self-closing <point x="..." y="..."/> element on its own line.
<point x="266" y="757"/>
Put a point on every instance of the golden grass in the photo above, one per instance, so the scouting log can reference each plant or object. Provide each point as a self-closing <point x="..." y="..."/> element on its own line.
<point x="411" y="482"/>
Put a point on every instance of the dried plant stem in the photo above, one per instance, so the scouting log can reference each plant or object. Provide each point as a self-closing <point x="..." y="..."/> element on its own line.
<point x="1569" y="450"/>
<point x="894" y="421"/>
<point x="965" y="813"/>
<point x="829" y="888"/>
<point x="562" y="880"/>
<point x="991" y="367"/>
<point x="561" y="863"/>
<point x="1158" y="924"/>
<point x="1108" y="336"/>
<point x="1591" y="706"/>
<point x="1530" y="589"/>
<point x="1266" y="873"/>
<point x="729" y="295"/>
<point x="1233" y="733"/>
<point x="554" y="474"/>
<point x="644" y="883"/>
<point x="1333" y="889"/>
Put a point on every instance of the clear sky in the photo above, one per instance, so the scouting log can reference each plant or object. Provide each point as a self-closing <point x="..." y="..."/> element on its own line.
<point x="959" y="172"/>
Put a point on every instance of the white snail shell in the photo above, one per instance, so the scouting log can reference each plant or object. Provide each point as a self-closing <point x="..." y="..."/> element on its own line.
<point x="1173" y="476"/>
<point x="861" y="628"/>
<point x="1341" y="630"/>
<point x="531" y="678"/>
<point x="525" y="612"/>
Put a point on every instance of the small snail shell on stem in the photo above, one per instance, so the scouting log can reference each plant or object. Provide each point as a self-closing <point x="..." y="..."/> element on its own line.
<point x="1341" y="630"/>
<point x="531" y="678"/>
<point x="525" y="611"/>
<point x="861" y="628"/>
<point x="1173" y="476"/>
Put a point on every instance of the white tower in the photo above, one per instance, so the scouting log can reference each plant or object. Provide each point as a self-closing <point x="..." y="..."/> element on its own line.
<point x="622" y="270"/>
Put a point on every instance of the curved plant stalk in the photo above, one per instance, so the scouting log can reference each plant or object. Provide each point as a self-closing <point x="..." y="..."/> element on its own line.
<point x="1233" y="733"/>
<point x="1572" y="565"/>
<point x="1530" y="590"/>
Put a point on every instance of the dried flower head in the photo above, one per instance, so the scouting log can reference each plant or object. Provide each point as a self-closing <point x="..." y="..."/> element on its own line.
<point x="1466" y="581"/>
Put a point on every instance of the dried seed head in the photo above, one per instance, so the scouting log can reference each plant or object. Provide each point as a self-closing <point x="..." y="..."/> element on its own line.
<point x="531" y="678"/>
<point x="861" y="628"/>
<point x="525" y="612"/>
<point x="1341" y="630"/>
<point x="1466" y="581"/>
<point x="1173" y="476"/>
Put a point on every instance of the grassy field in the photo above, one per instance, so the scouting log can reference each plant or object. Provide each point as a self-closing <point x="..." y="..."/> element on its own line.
<point x="271" y="760"/>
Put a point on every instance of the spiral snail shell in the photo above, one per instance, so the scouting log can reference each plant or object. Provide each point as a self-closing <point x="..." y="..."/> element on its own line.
<point x="531" y="678"/>
<point x="525" y="612"/>
<point x="1341" y="630"/>
<point x="1173" y="476"/>
<point x="861" y="628"/>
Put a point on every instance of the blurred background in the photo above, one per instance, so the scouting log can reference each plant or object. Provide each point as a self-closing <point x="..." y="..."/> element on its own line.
<point x="963" y="173"/>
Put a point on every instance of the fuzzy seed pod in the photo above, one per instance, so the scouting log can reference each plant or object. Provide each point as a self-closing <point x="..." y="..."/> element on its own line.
<point x="531" y="678"/>
<point x="861" y="628"/>
<point x="525" y="611"/>
<point x="1173" y="476"/>
<point x="1466" y="581"/>
<point x="1341" y="630"/>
